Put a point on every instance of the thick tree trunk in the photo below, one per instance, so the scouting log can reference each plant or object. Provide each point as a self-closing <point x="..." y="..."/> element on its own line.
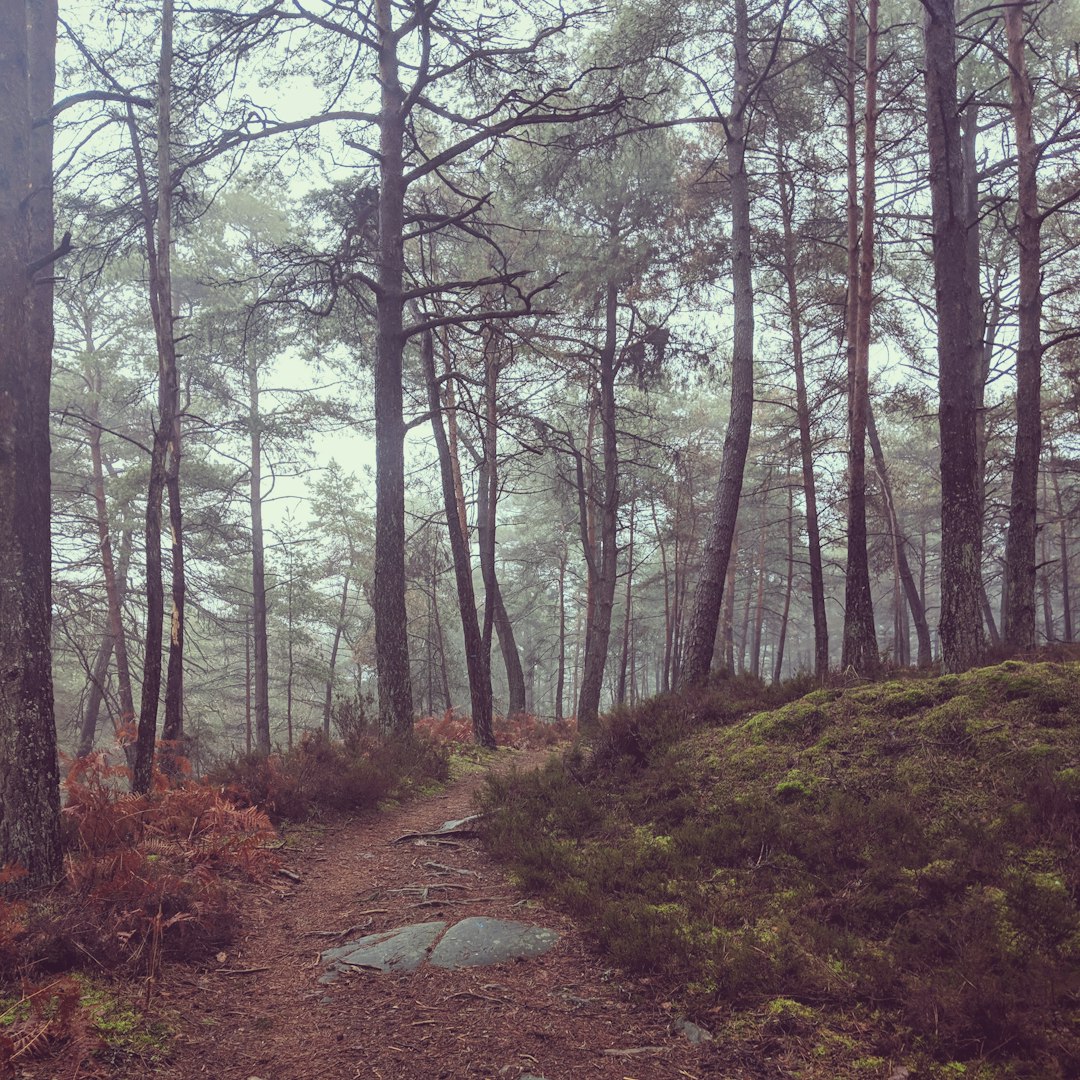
<point x="29" y="781"/>
<point x="708" y="597"/>
<point x="388" y="592"/>
<point x="860" y="651"/>
<point x="958" y="354"/>
<point x="802" y="408"/>
<point x="1019" y="628"/>
<point x="603" y="563"/>
<point x="477" y="651"/>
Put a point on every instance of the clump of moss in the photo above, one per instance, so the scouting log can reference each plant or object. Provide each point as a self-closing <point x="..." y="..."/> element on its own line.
<point x="908" y="847"/>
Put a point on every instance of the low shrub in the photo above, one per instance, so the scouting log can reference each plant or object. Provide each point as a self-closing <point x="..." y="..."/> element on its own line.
<point x="907" y="851"/>
<point x="521" y="732"/>
<point x="320" y="775"/>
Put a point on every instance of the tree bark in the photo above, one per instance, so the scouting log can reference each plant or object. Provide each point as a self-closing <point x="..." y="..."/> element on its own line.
<point x="258" y="571"/>
<point x="860" y="650"/>
<point x="709" y="594"/>
<point x="388" y="592"/>
<point x="907" y="579"/>
<point x="759" y="606"/>
<point x="29" y="775"/>
<point x="802" y="410"/>
<point x="958" y="353"/>
<point x="477" y="650"/>
<point x="603" y="563"/>
<point x="778" y="669"/>
<point x="1063" y="548"/>
<point x="1019" y="627"/>
<point x="339" y="629"/>
<point x="560" y="678"/>
<point x="628" y="597"/>
<point x="157" y="218"/>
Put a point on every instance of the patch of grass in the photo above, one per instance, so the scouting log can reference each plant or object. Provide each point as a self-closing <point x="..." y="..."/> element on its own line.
<point x="907" y="850"/>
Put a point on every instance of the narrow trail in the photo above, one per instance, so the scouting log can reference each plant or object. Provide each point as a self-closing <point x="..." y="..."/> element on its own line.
<point x="262" y="1013"/>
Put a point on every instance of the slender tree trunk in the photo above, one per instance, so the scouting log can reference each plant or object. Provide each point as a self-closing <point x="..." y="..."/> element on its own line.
<point x="907" y="579"/>
<point x="802" y="408"/>
<point x="247" y="683"/>
<point x="477" y="650"/>
<point x="665" y="680"/>
<point x="624" y="658"/>
<point x="860" y="650"/>
<point x="96" y="693"/>
<point x="759" y="606"/>
<point x="958" y="354"/>
<point x="781" y="641"/>
<point x="258" y="570"/>
<point x="708" y="597"/>
<point x="1063" y="542"/>
<point x="114" y="582"/>
<point x="729" y="605"/>
<point x="388" y="592"/>
<point x="560" y="678"/>
<point x="1044" y="579"/>
<point x="1019" y="628"/>
<point x="744" y="632"/>
<point x="339" y="629"/>
<point x="157" y="215"/>
<point x="172" y="728"/>
<point x="289" y="660"/>
<point x="603" y="567"/>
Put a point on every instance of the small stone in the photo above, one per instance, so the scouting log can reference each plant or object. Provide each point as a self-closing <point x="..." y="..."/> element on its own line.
<point x="693" y="1032"/>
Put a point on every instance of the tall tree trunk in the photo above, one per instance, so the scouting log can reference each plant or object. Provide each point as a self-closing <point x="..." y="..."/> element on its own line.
<point x="388" y="592"/>
<point x="560" y="677"/>
<point x="708" y="597"/>
<point x="258" y="570"/>
<point x="1044" y="579"/>
<point x="802" y="409"/>
<point x="624" y="658"/>
<point x="860" y="650"/>
<point x="1019" y="628"/>
<point x="1063" y="547"/>
<point x="958" y="353"/>
<point x="907" y="579"/>
<point x="172" y="727"/>
<point x="665" y="677"/>
<point x="477" y="650"/>
<point x="96" y="692"/>
<point x="778" y="669"/>
<point x="729" y="605"/>
<point x="247" y="683"/>
<point x="157" y="216"/>
<point x="759" y="606"/>
<point x="603" y="563"/>
<point x="29" y="782"/>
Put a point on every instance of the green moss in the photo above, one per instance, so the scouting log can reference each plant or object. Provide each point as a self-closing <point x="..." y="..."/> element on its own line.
<point x="914" y="843"/>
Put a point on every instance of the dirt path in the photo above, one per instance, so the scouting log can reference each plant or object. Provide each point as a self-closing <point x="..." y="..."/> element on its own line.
<point x="559" y="1016"/>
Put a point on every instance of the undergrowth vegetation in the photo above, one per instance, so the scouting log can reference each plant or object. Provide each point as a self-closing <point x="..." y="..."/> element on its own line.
<point x="859" y="879"/>
<point x="521" y="732"/>
<point x="155" y="877"/>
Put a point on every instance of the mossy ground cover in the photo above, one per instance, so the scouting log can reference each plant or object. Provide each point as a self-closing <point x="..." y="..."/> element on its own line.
<point x="859" y="879"/>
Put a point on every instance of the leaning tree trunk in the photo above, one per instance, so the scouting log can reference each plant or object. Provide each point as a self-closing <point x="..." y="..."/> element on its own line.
<point x="477" y="651"/>
<point x="29" y="779"/>
<point x="903" y="568"/>
<point x="1019" y="628"/>
<point x="709" y="594"/>
<point x="958" y="353"/>
<point x="860" y="651"/>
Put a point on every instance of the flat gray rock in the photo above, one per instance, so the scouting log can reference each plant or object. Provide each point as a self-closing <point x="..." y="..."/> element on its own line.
<point x="479" y="941"/>
<point x="404" y="949"/>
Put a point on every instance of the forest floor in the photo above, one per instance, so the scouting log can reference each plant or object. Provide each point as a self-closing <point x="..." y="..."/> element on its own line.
<point x="258" y="1012"/>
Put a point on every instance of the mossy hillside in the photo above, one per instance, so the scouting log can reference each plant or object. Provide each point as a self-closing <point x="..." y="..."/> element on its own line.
<point x="908" y="850"/>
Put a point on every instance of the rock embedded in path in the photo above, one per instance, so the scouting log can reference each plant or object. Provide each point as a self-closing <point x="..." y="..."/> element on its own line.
<point x="404" y="949"/>
<point x="475" y="942"/>
<point x="478" y="942"/>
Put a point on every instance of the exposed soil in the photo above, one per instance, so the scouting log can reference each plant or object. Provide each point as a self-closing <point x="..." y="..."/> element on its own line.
<point x="260" y="1012"/>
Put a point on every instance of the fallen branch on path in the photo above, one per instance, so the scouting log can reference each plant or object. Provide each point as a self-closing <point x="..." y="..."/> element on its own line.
<point x="239" y="971"/>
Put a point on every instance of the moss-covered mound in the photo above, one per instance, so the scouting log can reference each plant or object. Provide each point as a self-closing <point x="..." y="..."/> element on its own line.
<point x="897" y="865"/>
